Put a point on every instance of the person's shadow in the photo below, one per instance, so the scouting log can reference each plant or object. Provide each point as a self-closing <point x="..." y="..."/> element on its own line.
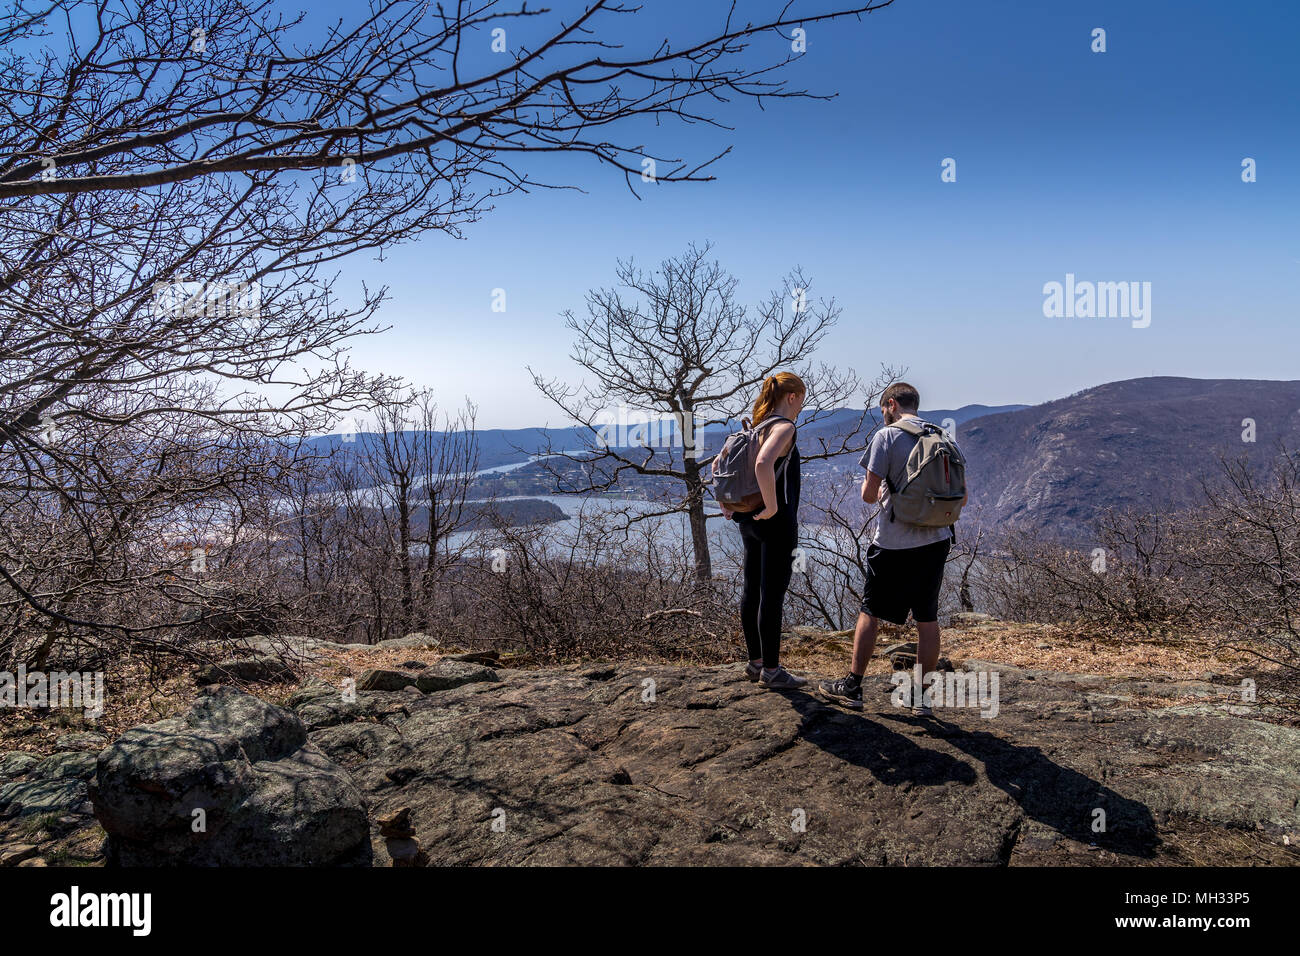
<point x="1055" y="796"/>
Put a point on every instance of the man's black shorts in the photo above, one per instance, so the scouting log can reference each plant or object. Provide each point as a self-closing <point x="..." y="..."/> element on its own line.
<point x="905" y="579"/>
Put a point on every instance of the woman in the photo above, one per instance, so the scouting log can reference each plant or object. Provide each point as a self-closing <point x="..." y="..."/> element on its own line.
<point x="770" y="531"/>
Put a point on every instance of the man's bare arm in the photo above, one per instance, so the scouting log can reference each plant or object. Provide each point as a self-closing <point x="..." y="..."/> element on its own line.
<point x="871" y="487"/>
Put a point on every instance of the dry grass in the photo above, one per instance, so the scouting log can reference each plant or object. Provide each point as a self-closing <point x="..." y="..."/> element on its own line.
<point x="134" y="695"/>
<point x="1069" y="650"/>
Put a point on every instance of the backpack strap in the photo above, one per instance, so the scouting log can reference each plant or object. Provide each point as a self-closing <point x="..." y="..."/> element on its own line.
<point x="782" y="470"/>
<point x="771" y="419"/>
<point x="915" y="427"/>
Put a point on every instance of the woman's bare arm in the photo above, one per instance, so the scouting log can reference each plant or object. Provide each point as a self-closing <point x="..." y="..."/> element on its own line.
<point x="777" y="443"/>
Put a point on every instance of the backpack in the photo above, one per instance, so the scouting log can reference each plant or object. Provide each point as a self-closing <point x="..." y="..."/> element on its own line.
<point x="931" y="495"/>
<point x="735" y="480"/>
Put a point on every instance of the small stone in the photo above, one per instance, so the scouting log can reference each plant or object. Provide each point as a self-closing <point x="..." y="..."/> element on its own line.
<point x="1043" y="646"/>
<point x="14" y="854"/>
<point x="399" y="775"/>
<point x="396" y="824"/>
<point x="907" y="647"/>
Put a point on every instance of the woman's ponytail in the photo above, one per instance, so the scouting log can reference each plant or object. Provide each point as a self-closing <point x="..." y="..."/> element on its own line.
<point x="774" y="389"/>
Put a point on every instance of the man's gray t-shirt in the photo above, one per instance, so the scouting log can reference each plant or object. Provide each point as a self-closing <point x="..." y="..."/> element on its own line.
<point x="887" y="456"/>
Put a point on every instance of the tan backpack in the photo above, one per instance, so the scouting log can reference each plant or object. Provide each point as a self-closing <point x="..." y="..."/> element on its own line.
<point x="932" y="493"/>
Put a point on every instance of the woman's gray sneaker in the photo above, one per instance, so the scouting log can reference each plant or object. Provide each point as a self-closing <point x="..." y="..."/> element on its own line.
<point x="780" y="679"/>
<point x="752" y="672"/>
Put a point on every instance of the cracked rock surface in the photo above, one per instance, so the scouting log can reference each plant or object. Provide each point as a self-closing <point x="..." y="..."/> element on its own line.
<point x="631" y="764"/>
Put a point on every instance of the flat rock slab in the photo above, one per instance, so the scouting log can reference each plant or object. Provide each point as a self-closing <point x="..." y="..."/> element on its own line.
<point x="623" y="764"/>
<point x="56" y="795"/>
<point x="16" y="853"/>
<point x="80" y="740"/>
<point x="15" y="763"/>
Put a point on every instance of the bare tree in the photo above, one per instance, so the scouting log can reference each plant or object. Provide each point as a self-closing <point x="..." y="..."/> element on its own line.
<point x="435" y="100"/>
<point x="1250" y="548"/>
<point x="672" y="353"/>
<point x="181" y="178"/>
<point x="421" y="467"/>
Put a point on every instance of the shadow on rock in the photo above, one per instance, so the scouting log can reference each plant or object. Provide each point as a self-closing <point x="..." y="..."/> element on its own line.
<point x="1052" y="795"/>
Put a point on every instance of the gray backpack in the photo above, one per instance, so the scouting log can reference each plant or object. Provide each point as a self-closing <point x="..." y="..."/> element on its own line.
<point x="735" y="481"/>
<point x="931" y="495"/>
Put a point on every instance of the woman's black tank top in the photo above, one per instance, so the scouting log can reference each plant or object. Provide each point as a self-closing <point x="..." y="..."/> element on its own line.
<point x="787" y="483"/>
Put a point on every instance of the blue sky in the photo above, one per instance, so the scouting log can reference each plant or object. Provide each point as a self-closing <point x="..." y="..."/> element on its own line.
<point x="1115" y="166"/>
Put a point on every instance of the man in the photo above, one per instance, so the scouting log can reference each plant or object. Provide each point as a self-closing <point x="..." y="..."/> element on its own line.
<point x="904" y="562"/>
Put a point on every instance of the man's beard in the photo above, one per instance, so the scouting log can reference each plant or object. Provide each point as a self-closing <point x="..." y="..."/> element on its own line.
<point x="890" y="418"/>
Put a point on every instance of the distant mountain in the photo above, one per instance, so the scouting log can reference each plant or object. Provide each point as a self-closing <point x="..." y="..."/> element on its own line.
<point x="1143" y="442"/>
<point x="842" y="420"/>
<point x="508" y="446"/>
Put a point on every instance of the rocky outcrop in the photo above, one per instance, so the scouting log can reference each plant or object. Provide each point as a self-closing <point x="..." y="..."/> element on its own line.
<point x="626" y="764"/>
<point x="232" y="782"/>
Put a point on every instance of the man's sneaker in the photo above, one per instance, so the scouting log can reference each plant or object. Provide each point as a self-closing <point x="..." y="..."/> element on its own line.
<point x="780" y="679"/>
<point x="753" y="671"/>
<point x="840" y="692"/>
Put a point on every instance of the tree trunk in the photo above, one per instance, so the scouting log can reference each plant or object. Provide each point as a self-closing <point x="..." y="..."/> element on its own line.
<point x="404" y="552"/>
<point x="699" y="533"/>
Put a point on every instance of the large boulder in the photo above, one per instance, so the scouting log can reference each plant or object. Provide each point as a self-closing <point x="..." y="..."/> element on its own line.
<point x="355" y="743"/>
<point x="448" y="674"/>
<point x="378" y="678"/>
<point x="232" y="782"/>
<point x="416" y="640"/>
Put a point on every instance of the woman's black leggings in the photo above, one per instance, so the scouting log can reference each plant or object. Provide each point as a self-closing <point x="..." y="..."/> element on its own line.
<point x="769" y="562"/>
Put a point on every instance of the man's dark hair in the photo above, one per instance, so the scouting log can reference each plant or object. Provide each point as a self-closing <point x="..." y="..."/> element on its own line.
<point x="908" y="398"/>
